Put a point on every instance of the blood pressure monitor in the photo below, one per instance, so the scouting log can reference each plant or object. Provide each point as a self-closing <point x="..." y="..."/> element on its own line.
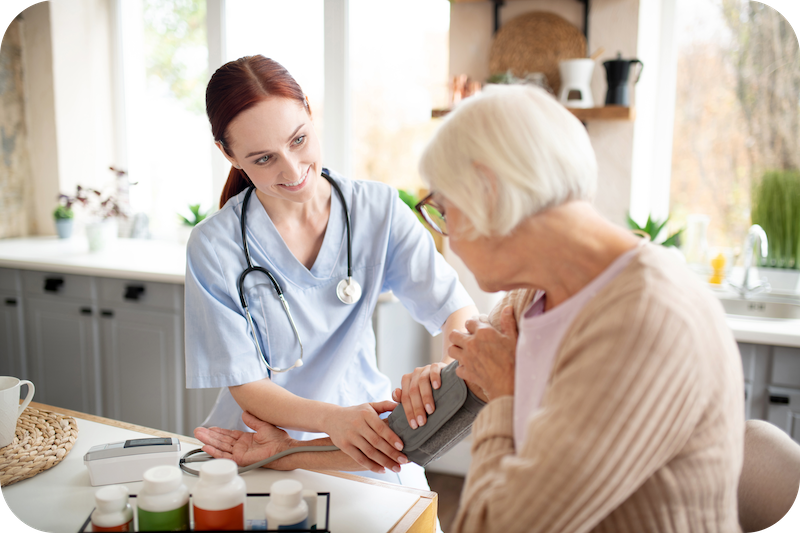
<point x="126" y="461"/>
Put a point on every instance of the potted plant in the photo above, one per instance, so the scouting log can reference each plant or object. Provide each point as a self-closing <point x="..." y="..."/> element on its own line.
<point x="64" y="217"/>
<point x="187" y="223"/>
<point x="652" y="229"/>
<point x="102" y="211"/>
<point x="411" y="200"/>
<point x="775" y="204"/>
<point x="776" y="208"/>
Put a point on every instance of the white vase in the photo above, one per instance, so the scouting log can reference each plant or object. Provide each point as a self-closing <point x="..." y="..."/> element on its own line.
<point x="100" y="233"/>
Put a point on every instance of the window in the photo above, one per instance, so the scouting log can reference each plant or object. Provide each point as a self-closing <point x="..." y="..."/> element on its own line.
<point x="736" y="113"/>
<point x="291" y="33"/>
<point x="399" y="65"/>
<point x="167" y="137"/>
<point x="398" y="73"/>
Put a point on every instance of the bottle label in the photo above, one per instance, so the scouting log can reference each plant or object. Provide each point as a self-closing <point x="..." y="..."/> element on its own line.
<point x="122" y="527"/>
<point x="225" y="520"/>
<point x="303" y="524"/>
<point x="175" y="520"/>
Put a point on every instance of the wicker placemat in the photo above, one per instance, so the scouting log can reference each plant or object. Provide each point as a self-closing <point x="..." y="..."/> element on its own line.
<point x="536" y="42"/>
<point x="42" y="440"/>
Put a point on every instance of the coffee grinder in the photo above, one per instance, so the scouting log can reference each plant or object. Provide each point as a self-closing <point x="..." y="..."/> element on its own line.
<point x="617" y="73"/>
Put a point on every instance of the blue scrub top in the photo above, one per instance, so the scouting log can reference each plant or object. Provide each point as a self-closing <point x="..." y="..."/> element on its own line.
<point x="392" y="251"/>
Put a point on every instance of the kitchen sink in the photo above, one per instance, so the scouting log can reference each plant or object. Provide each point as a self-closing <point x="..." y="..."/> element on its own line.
<point x="762" y="308"/>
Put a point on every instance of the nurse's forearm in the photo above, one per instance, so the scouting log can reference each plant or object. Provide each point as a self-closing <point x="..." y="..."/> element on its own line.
<point x="455" y="322"/>
<point x="274" y="404"/>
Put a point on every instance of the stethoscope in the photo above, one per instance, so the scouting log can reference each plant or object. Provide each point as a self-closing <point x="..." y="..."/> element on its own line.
<point x="348" y="290"/>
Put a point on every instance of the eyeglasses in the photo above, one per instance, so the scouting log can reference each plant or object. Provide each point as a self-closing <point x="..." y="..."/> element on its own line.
<point x="433" y="214"/>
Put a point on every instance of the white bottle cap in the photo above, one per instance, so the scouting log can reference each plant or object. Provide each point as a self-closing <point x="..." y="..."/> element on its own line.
<point x="286" y="492"/>
<point x="162" y="479"/>
<point x="219" y="471"/>
<point x="111" y="499"/>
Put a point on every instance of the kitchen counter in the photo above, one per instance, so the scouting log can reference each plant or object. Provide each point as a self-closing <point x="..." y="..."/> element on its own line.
<point x="133" y="259"/>
<point x="152" y="260"/>
<point x="765" y="331"/>
<point x="357" y="504"/>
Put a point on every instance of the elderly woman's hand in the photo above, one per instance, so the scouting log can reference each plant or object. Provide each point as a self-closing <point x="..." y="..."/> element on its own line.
<point x="486" y="355"/>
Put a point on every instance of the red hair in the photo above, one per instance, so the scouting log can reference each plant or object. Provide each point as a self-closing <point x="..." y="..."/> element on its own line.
<point x="237" y="86"/>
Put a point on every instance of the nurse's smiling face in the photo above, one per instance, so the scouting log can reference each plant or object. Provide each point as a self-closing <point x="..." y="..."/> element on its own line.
<point x="276" y="145"/>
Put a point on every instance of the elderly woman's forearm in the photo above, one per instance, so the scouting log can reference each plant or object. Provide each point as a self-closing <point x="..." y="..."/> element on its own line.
<point x="333" y="460"/>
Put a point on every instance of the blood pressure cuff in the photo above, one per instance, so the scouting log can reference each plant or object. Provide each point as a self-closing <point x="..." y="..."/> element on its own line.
<point x="450" y="423"/>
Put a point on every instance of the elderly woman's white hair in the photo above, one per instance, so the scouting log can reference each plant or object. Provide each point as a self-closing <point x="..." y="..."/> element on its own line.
<point x="509" y="153"/>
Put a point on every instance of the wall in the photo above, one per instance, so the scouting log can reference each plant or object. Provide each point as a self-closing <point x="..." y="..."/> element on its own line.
<point x="14" y="156"/>
<point x="613" y="24"/>
<point x="40" y="117"/>
<point x="81" y="44"/>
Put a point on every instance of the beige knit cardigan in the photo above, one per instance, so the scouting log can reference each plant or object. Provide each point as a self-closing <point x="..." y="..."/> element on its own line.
<point x="641" y="426"/>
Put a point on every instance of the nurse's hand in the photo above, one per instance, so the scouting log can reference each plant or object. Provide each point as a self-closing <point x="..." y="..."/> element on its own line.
<point x="417" y="393"/>
<point x="360" y="433"/>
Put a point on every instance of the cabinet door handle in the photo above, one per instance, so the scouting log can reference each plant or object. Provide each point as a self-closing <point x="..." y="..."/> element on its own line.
<point x="107" y="313"/>
<point x="53" y="284"/>
<point x="134" y="292"/>
<point x="11" y="302"/>
<point x="86" y="310"/>
<point x="783" y="400"/>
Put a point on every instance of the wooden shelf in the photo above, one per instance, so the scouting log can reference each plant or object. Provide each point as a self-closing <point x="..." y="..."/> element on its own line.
<point x="611" y="112"/>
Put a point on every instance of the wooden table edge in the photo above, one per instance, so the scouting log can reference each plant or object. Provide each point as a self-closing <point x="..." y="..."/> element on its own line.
<point x="420" y="518"/>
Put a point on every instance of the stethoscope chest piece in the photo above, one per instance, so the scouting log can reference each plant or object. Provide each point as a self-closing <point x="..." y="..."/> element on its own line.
<point x="349" y="291"/>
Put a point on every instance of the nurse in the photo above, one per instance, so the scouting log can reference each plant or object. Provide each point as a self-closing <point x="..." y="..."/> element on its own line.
<point x="296" y="228"/>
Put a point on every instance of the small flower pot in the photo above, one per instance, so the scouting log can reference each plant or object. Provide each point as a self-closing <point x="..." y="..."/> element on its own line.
<point x="64" y="227"/>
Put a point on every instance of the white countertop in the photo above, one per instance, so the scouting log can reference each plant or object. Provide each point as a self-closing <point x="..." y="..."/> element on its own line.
<point x="135" y="259"/>
<point x="765" y="331"/>
<point x="66" y="494"/>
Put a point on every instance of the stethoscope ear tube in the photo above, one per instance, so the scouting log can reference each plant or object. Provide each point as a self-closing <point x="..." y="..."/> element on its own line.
<point x="194" y="456"/>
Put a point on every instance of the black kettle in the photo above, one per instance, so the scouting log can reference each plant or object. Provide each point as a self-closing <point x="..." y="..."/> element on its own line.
<point x="617" y="72"/>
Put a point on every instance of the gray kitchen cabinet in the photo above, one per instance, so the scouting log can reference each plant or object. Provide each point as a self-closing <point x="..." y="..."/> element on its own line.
<point x="12" y="338"/>
<point x="784" y="410"/>
<point x="141" y="325"/>
<point x="104" y="346"/>
<point x="141" y="382"/>
<point x="63" y="354"/>
<point x="772" y="385"/>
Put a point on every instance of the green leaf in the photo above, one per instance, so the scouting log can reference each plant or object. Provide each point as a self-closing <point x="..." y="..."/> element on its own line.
<point x="659" y="228"/>
<point x="673" y="239"/>
<point x="632" y="223"/>
<point x="408" y="198"/>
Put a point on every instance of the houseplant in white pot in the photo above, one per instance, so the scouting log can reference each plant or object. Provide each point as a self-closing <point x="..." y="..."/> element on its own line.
<point x="101" y="226"/>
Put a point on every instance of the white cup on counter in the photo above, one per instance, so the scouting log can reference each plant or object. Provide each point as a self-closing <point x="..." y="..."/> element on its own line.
<point x="10" y="408"/>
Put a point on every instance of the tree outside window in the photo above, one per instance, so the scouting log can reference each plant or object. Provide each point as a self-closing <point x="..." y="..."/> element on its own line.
<point x="737" y="112"/>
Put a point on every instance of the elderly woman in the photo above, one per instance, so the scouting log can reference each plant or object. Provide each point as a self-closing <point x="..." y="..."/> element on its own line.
<point x="622" y="408"/>
<point x="615" y="388"/>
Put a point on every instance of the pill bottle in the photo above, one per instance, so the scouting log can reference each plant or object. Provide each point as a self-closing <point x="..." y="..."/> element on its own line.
<point x="219" y="496"/>
<point x="112" y="512"/>
<point x="163" y="503"/>
<point x="286" y="508"/>
<point x="310" y="497"/>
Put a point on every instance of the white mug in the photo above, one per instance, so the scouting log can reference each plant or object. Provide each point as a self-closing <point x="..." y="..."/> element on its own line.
<point x="10" y="408"/>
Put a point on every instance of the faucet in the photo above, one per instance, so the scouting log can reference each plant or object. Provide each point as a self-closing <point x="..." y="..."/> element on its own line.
<point x="755" y="235"/>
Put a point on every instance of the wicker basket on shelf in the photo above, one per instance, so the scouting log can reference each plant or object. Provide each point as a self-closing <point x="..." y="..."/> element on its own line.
<point x="536" y="42"/>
